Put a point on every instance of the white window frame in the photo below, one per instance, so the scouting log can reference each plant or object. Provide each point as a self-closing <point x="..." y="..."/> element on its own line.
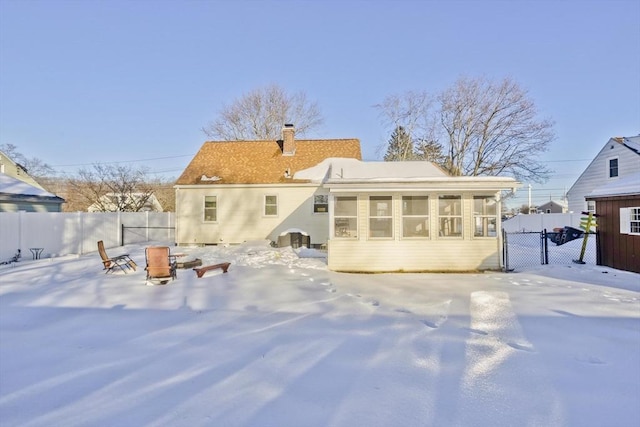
<point x="265" y="205"/>
<point x="591" y="206"/>
<point x="317" y="205"/>
<point x="450" y="217"/>
<point x="609" y="160"/>
<point x="485" y="218"/>
<point x="424" y="217"/>
<point x="340" y="232"/>
<point x="630" y="220"/>
<point x="204" y="209"/>
<point x="381" y="216"/>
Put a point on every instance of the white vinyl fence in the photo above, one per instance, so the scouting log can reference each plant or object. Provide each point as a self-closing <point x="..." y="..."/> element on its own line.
<point x="539" y="222"/>
<point x="62" y="233"/>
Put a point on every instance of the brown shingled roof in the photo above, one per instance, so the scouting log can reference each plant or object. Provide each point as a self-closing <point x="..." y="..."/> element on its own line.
<point x="261" y="162"/>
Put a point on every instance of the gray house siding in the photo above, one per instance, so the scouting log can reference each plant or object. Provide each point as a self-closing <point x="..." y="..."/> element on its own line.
<point x="596" y="174"/>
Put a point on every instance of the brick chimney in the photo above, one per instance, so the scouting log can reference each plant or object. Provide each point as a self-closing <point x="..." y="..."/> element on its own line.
<point x="288" y="144"/>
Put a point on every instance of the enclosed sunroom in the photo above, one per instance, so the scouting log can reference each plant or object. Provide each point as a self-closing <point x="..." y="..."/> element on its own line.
<point x="411" y="216"/>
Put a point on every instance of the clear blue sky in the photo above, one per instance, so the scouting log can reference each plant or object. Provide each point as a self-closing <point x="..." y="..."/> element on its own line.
<point x="135" y="81"/>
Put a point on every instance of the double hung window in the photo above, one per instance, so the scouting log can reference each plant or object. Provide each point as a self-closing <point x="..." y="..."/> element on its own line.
<point x="415" y="216"/>
<point x="345" y="217"/>
<point x="270" y="205"/>
<point x="380" y="216"/>
<point x="210" y="208"/>
<point x="484" y="216"/>
<point x="450" y="216"/>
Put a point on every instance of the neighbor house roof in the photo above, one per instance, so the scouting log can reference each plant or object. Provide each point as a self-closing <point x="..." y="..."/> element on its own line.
<point x="626" y="186"/>
<point x="261" y="162"/>
<point x="14" y="189"/>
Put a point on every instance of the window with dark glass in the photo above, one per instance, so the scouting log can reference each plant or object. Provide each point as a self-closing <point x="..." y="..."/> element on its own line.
<point x="613" y="168"/>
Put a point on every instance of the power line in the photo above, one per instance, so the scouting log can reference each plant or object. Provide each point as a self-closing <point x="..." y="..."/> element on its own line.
<point x="125" y="161"/>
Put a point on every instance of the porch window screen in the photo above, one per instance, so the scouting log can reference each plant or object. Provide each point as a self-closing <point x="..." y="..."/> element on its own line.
<point x="345" y="217"/>
<point x="450" y="216"/>
<point x="380" y="216"/>
<point x="484" y="216"/>
<point x="415" y="216"/>
<point x="210" y="208"/>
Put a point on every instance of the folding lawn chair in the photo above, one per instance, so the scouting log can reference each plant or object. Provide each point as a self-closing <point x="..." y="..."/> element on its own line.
<point x="161" y="265"/>
<point x="123" y="262"/>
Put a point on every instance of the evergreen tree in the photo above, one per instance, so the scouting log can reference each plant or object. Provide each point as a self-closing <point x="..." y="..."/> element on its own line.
<point x="400" y="146"/>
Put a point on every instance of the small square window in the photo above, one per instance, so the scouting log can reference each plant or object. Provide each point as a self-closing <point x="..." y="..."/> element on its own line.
<point x="320" y="203"/>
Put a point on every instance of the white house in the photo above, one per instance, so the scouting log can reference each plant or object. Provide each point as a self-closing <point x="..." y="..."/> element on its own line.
<point x="410" y="216"/>
<point x="239" y="191"/>
<point x="619" y="158"/>
<point x="373" y="216"/>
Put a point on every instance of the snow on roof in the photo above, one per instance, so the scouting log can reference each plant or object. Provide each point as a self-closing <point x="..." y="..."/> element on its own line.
<point x="633" y="142"/>
<point x="628" y="185"/>
<point x="10" y="185"/>
<point x="352" y="169"/>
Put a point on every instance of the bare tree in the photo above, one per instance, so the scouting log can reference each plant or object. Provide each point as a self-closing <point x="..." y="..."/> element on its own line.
<point x="34" y="166"/>
<point x="261" y="113"/>
<point x="111" y="188"/>
<point x="483" y="128"/>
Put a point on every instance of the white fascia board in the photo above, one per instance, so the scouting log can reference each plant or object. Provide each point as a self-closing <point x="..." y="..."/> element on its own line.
<point x="434" y="185"/>
<point x="209" y="186"/>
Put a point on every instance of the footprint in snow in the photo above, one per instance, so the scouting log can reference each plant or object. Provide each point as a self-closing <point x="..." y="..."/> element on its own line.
<point x="476" y="331"/>
<point x="523" y="347"/>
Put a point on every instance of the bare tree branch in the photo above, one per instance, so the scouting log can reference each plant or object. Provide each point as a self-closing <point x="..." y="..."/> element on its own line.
<point x="261" y="113"/>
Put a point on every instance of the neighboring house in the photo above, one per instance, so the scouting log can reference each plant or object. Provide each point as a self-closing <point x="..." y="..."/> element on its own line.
<point x="620" y="157"/>
<point x="618" y="208"/>
<point x="553" y="206"/>
<point x="17" y="171"/>
<point x="239" y="191"/>
<point x="410" y="216"/>
<point x="17" y="195"/>
<point x="136" y="202"/>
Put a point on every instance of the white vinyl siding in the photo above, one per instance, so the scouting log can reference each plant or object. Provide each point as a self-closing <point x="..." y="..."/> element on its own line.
<point x="399" y="253"/>
<point x="240" y="214"/>
<point x="596" y="174"/>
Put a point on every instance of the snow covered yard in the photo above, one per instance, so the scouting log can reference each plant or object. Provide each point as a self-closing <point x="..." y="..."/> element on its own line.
<point x="281" y="341"/>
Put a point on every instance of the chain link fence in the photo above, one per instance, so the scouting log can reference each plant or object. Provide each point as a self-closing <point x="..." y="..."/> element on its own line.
<point x="530" y="249"/>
